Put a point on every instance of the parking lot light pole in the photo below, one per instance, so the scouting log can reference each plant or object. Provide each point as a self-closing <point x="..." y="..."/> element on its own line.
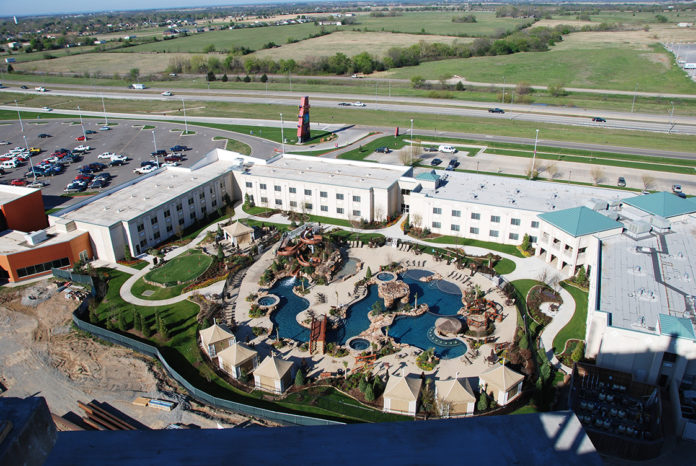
<point x="536" y="138"/>
<point x="411" y="158"/>
<point x="282" y="137"/>
<point x="185" y="122"/>
<point x="19" y="115"/>
<point x="82" y="123"/>
<point x="106" y="118"/>
<point x="154" y="141"/>
<point x="671" y="119"/>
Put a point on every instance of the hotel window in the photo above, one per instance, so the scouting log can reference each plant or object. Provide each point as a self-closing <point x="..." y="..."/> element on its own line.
<point x="535" y="224"/>
<point x="214" y="203"/>
<point x="153" y="220"/>
<point x="141" y="227"/>
<point x="324" y="208"/>
<point x="169" y="228"/>
<point x="474" y="230"/>
<point x="339" y="197"/>
<point x="455" y="227"/>
<point x="262" y="186"/>
<point x="437" y="210"/>
<point x="456" y="213"/>
<point x="308" y="206"/>
<point x="475" y="216"/>
<point x="339" y="210"/>
<point x="192" y="216"/>
<point x="277" y="188"/>
<point x="179" y="207"/>
<point x="515" y="221"/>
<point x="211" y="190"/>
<point x="190" y="201"/>
<point x="495" y="218"/>
<point x="292" y="190"/>
<point x="436" y="224"/>
<point x="143" y="243"/>
<point x="307" y="192"/>
<point x="249" y="184"/>
<point x="493" y="233"/>
<point x="293" y="203"/>
<point x="264" y="200"/>
<point x="278" y="202"/>
<point x="356" y="213"/>
<point x="201" y="195"/>
<point x="514" y="236"/>
<point x="181" y="221"/>
<point x="323" y="194"/>
<point x="167" y="213"/>
<point x="157" y="235"/>
<point x="356" y="198"/>
<point x="532" y="239"/>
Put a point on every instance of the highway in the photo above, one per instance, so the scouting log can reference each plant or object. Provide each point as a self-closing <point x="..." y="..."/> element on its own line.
<point x="407" y="105"/>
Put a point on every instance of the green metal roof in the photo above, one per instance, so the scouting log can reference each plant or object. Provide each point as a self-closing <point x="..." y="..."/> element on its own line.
<point x="580" y="221"/>
<point x="680" y="327"/>
<point x="428" y="176"/>
<point x="663" y="204"/>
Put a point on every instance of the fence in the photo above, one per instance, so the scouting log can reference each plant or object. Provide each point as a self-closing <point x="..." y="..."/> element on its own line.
<point x="75" y="277"/>
<point x="196" y="393"/>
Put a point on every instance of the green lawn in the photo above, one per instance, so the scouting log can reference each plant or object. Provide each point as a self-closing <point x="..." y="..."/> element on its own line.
<point x="268" y="132"/>
<point x="260" y="223"/>
<point x="253" y="38"/>
<point x="182" y="268"/>
<point x="440" y="22"/>
<point x="234" y="145"/>
<point x="353" y="236"/>
<point x="505" y="266"/>
<point x="159" y="293"/>
<point x="392" y="142"/>
<point x="526" y="409"/>
<point x="575" y="329"/>
<point x="458" y="241"/>
<point x="256" y="210"/>
<point x="522" y="287"/>
<point x="611" y="67"/>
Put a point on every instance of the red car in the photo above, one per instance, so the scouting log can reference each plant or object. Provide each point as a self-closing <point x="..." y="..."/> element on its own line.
<point x="80" y="138"/>
<point x="19" y="182"/>
<point x="83" y="178"/>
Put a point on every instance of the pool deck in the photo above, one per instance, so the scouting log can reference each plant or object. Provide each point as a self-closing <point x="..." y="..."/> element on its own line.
<point x="339" y="292"/>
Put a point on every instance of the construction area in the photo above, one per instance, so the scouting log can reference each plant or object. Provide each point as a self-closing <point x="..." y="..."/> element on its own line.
<point x="88" y="384"/>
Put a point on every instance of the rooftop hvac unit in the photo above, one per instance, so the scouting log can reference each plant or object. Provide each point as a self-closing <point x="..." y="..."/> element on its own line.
<point x="596" y="204"/>
<point x="36" y="237"/>
<point x="638" y="227"/>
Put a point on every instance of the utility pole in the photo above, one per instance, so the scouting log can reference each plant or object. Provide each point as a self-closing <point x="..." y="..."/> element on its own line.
<point x="154" y="141"/>
<point x="634" y="98"/>
<point x="106" y="118"/>
<point x="411" y="157"/>
<point x="503" y="89"/>
<point x="282" y="134"/>
<point x="671" y="119"/>
<point x="185" y="122"/>
<point x="19" y="115"/>
<point x="82" y="124"/>
<point x="531" y="172"/>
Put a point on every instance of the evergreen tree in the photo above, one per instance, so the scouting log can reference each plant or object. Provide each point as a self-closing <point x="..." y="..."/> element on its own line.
<point x="264" y="78"/>
<point x="146" y="327"/>
<point x="362" y="385"/>
<point x="579" y="352"/>
<point x="224" y="78"/>
<point x="122" y="321"/>
<point x="211" y="76"/>
<point x="300" y="378"/>
<point x="368" y="273"/>
<point x="369" y="393"/>
<point x="482" y="404"/>
<point x="137" y="321"/>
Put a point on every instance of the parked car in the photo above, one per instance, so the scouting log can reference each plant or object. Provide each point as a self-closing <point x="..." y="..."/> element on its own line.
<point x="383" y="150"/>
<point x="106" y="155"/>
<point x="80" y="138"/>
<point x="599" y="120"/>
<point x="36" y="184"/>
<point x="496" y="110"/>
<point x="171" y="164"/>
<point x="145" y="170"/>
<point x="90" y="131"/>
<point x="429" y="149"/>
<point x="447" y="149"/>
<point x="621" y="182"/>
<point x="75" y="188"/>
<point x="103" y="176"/>
<point x="676" y="188"/>
<point x="96" y="166"/>
<point x="116" y="163"/>
<point x="19" y="182"/>
<point x="147" y="163"/>
<point x="344" y="104"/>
<point x="119" y="157"/>
<point x="159" y="152"/>
<point x="34" y="150"/>
<point x="167" y="93"/>
<point x="43" y="136"/>
<point x="47" y="109"/>
<point x="359" y="104"/>
<point x="104" y="128"/>
<point x="82" y="148"/>
<point x="173" y="158"/>
<point x="179" y="148"/>
<point x="435" y="162"/>
<point x="23" y="87"/>
<point x="97" y="184"/>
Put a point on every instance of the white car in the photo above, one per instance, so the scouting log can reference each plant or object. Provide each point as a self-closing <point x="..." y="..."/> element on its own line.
<point x="40" y="89"/>
<point x="104" y="128"/>
<point x="167" y="93"/>
<point x="5" y="143"/>
<point x="48" y="109"/>
<point x="82" y="148"/>
<point x="144" y="170"/>
<point x="447" y="149"/>
<point x="359" y="104"/>
<point x="170" y="164"/>
<point x="119" y="157"/>
<point x="106" y="155"/>
<point x="36" y="184"/>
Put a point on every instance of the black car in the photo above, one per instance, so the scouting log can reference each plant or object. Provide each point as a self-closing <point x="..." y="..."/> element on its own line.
<point x="435" y="162"/>
<point x="383" y="150"/>
<point x="106" y="176"/>
<point x="179" y="148"/>
<point x="44" y="135"/>
<point x="97" y="184"/>
<point x="599" y="120"/>
<point x="158" y="153"/>
<point x="117" y="163"/>
<point x="344" y="104"/>
<point x="496" y="110"/>
<point x="453" y="163"/>
<point x="430" y="149"/>
<point x="90" y="131"/>
<point x="96" y="166"/>
<point x="148" y="162"/>
<point x="23" y="87"/>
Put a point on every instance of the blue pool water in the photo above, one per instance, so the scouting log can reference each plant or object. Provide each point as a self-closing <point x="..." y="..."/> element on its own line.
<point x="444" y="298"/>
<point x="359" y="344"/>
<point x="267" y="301"/>
<point x="385" y="276"/>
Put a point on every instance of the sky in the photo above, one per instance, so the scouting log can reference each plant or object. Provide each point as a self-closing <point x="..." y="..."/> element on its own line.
<point x="48" y="7"/>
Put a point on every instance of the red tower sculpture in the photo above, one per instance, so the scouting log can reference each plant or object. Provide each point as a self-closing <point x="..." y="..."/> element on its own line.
<point x="303" y="120"/>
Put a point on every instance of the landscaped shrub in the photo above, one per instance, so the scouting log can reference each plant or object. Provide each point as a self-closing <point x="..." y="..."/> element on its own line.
<point x="300" y="378"/>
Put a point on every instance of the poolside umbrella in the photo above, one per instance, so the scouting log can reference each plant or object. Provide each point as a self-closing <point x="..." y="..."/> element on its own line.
<point x="448" y="325"/>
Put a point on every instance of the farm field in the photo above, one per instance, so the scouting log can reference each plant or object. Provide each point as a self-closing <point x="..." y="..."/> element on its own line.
<point x="440" y="22"/>
<point x="104" y="63"/>
<point x="227" y="40"/>
<point x="352" y="43"/>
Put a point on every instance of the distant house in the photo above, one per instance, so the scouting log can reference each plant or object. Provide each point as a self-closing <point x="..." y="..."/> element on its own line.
<point x="502" y="383"/>
<point x="236" y="358"/>
<point x="273" y="375"/>
<point x="401" y="394"/>
<point x="685" y="25"/>
<point x="455" y="397"/>
<point x="215" y="338"/>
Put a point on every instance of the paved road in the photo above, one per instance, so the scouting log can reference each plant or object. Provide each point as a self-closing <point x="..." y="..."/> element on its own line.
<point x="414" y="106"/>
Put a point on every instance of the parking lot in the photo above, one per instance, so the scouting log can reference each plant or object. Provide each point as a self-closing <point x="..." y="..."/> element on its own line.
<point x="133" y="139"/>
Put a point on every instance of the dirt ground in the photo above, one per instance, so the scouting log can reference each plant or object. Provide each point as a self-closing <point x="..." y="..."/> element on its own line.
<point x="42" y="355"/>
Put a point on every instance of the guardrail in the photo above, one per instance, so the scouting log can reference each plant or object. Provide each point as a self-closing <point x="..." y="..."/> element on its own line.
<point x="196" y="393"/>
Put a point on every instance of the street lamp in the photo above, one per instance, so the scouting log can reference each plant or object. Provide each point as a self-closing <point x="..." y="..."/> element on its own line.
<point x="282" y="134"/>
<point x="411" y="158"/>
<point x="154" y="141"/>
<point x="634" y="97"/>
<point x="19" y="115"/>
<point x="84" y="135"/>
<point x="536" y="138"/>
<point x="671" y="119"/>
<point x="106" y="118"/>
<point x="185" y="122"/>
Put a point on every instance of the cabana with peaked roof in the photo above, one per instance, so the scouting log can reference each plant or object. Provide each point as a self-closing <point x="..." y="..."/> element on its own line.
<point x="239" y="234"/>
<point x="502" y="383"/>
<point x="401" y="394"/>
<point x="455" y="397"/>
<point x="273" y="375"/>
<point x="236" y="358"/>
<point x="216" y="338"/>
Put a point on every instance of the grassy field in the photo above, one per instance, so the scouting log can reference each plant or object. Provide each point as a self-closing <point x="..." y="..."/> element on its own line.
<point x="105" y="63"/>
<point x="617" y="67"/>
<point x="505" y="266"/>
<point x="234" y="145"/>
<point x="458" y="241"/>
<point x="182" y="268"/>
<point x="575" y="329"/>
<point x="252" y="38"/>
<point x="440" y="22"/>
<point x="394" y="143"/>
<point x="139" y="287"/>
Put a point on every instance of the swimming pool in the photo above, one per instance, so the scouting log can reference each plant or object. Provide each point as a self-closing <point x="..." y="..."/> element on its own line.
<point x="359" y="344"/>
<point x="267" y="300"/>
<point x="349" y="268"/>
<point x="284" y="319"/>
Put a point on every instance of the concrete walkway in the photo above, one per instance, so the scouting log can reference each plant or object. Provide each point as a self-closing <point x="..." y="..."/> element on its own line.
<point x="565" y="313"/>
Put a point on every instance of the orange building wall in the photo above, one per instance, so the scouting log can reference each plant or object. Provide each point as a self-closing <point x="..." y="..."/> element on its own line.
<point x="70" y="249"/>
<point x="26" y="213"/>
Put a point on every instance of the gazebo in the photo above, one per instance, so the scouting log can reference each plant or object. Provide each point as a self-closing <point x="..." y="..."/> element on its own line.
<point x="237" y="357"/>
<point x="239" y="234"/>
<point x="448" y="325"/>
<point x="216" y="338"/>
<point x="401" y="394"/>
<point x="273" y="375"/>
<point x="455" y="396"/>
<point x="501" y="382"/>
